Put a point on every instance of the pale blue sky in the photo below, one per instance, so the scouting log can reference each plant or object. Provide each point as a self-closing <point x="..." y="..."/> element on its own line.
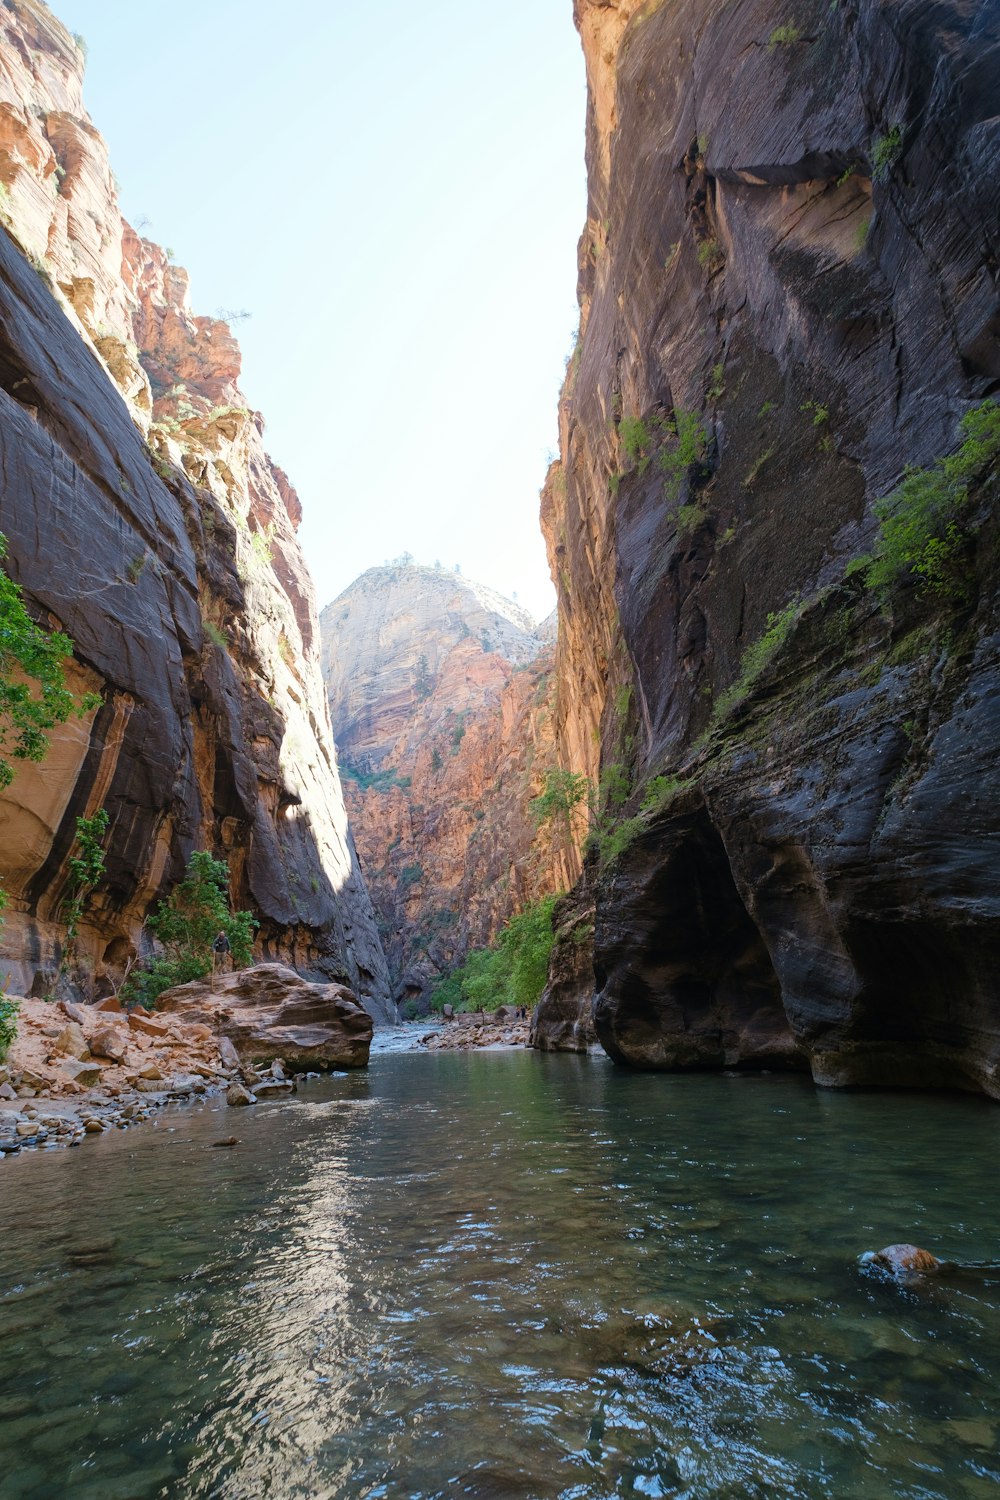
<point x="394" y="191"/>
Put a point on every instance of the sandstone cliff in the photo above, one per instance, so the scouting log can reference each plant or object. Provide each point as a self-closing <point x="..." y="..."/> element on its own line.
<point x="145" y="517"/>
<point x="788" y="291"/>
<point x="442" y="705"/>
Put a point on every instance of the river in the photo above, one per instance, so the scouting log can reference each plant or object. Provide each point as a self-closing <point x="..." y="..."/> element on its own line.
<point x="505" y="1275"/>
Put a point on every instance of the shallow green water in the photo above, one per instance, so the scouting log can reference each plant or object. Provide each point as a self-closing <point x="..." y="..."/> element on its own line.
<point x="504" y="1275"/>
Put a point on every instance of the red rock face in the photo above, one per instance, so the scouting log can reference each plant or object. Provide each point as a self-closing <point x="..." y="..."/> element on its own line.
<point x="773" y="257"/>
<point x="144" y="516"/>
<point x="442" y="697"/>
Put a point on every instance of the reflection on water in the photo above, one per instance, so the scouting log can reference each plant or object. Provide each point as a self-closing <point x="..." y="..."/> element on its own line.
<point x="505" y="1275"/>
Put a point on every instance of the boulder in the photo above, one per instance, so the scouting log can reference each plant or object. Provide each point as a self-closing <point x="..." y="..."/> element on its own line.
<point x="73" y="1011"/>
<point x="905" y="1260"/>
<point x="237" y="1095"/>
<point x="108" y="1043"/>
<point x="146" y="1025"/>
<point x="112" y="1004"/>
<point x="269" y="1012"/>
<point x="228" y="1053"/>
<point x="72" y="1041"/>
<point x="85" y="1073"/>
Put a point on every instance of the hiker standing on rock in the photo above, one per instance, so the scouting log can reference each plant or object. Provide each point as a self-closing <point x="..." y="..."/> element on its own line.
<point x="220" y="951"/>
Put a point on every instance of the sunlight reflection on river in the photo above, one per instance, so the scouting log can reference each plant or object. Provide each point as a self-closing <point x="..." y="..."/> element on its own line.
<point x="504" y="1275"/>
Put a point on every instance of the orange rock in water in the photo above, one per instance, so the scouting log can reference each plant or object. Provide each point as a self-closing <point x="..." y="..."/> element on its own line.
<point x="902" y="1259"/>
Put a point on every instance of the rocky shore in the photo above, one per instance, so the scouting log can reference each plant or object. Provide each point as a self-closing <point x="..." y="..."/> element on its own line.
<point x="77" y="1070"/>
<point x="464" y="1031"/>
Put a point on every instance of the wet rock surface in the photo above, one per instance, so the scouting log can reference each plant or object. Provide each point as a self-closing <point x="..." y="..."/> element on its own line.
<point x="772" y="252"/>
<point x="563" y="1018"/>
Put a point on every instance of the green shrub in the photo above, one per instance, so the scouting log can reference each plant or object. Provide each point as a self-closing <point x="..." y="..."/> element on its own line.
<point x="920" y="523"/>
<point x="636" y="439"/>
<point x="783" y="36"/>
<point x="410" y="875"/>
<point x="661" y="791"/>
<point x="757" y="657"/>
<point x="512" y="972"/>
<point x="9" y="1010"/>
<point x="30" y="659"/>
<point x="186" y="925"/>
<point x="886" y="150"/>
<point x="85" y="871"/>
<point x="686" y="446"/>
<point x="215" y="635"/>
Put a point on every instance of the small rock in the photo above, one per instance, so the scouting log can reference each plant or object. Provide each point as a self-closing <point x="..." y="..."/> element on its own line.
<point x="73" y="1011"/>
<point x="93" y="1127"/>
<point x="237" y="1095"/>
<point x="112" y="1004"/>
<point x="230" y="1140"/>
<point x="26" y="1128"/>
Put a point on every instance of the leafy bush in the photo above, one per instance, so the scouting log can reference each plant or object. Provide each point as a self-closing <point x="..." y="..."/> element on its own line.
<point x="186" y="925"/>
<point x="9" y="1010"/>
<point x="85" y="870"/>
<point x="757" y="657"/>
<point x="512" y="972"/>
<point x="783" y="36"/>
<point x="410" y="875"/>
<point x="920" y="530"/>
<point x="687" y="445"/>
<point x="635" y="438"/>
<point x="26" y="652"/>
<point x="562" y="793"/>
<point x="660" y="791"/>
<point x="215" y="635"/>
<point x="886" y="150"/>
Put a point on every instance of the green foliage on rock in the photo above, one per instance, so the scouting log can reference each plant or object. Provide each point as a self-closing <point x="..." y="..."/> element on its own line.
<point x="920" y="524"/>
<point x="186" y="925"/>
<point x="562" y="793"/>
<point x="511" y="972"/>
<point x="757" y="657"/>
<point x="34" y="697"/>
<point x="886" y="150"/>
<point x="85" y="870"/>
<point x="8" y="1008"/>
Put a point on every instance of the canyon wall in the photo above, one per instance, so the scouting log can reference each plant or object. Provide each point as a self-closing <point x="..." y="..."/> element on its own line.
<point x="788" y="291"/>
<point x="441" y="696"/>
<point x="144" y="517"/>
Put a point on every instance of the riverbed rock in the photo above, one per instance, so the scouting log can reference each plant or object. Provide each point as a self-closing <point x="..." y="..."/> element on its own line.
<point x="906" y="1260"/>
<point x="238" y="1096"/>
<point x="270" y="1012"/>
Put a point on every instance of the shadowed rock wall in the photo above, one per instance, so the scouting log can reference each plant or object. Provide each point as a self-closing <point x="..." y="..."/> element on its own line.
<point x="144" y="517"/>
<point x="791" y="251"/>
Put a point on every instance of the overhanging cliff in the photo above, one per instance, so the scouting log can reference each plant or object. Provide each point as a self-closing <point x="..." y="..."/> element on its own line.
<point x="788" y="288"/>
<point x="144" y="517"/>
